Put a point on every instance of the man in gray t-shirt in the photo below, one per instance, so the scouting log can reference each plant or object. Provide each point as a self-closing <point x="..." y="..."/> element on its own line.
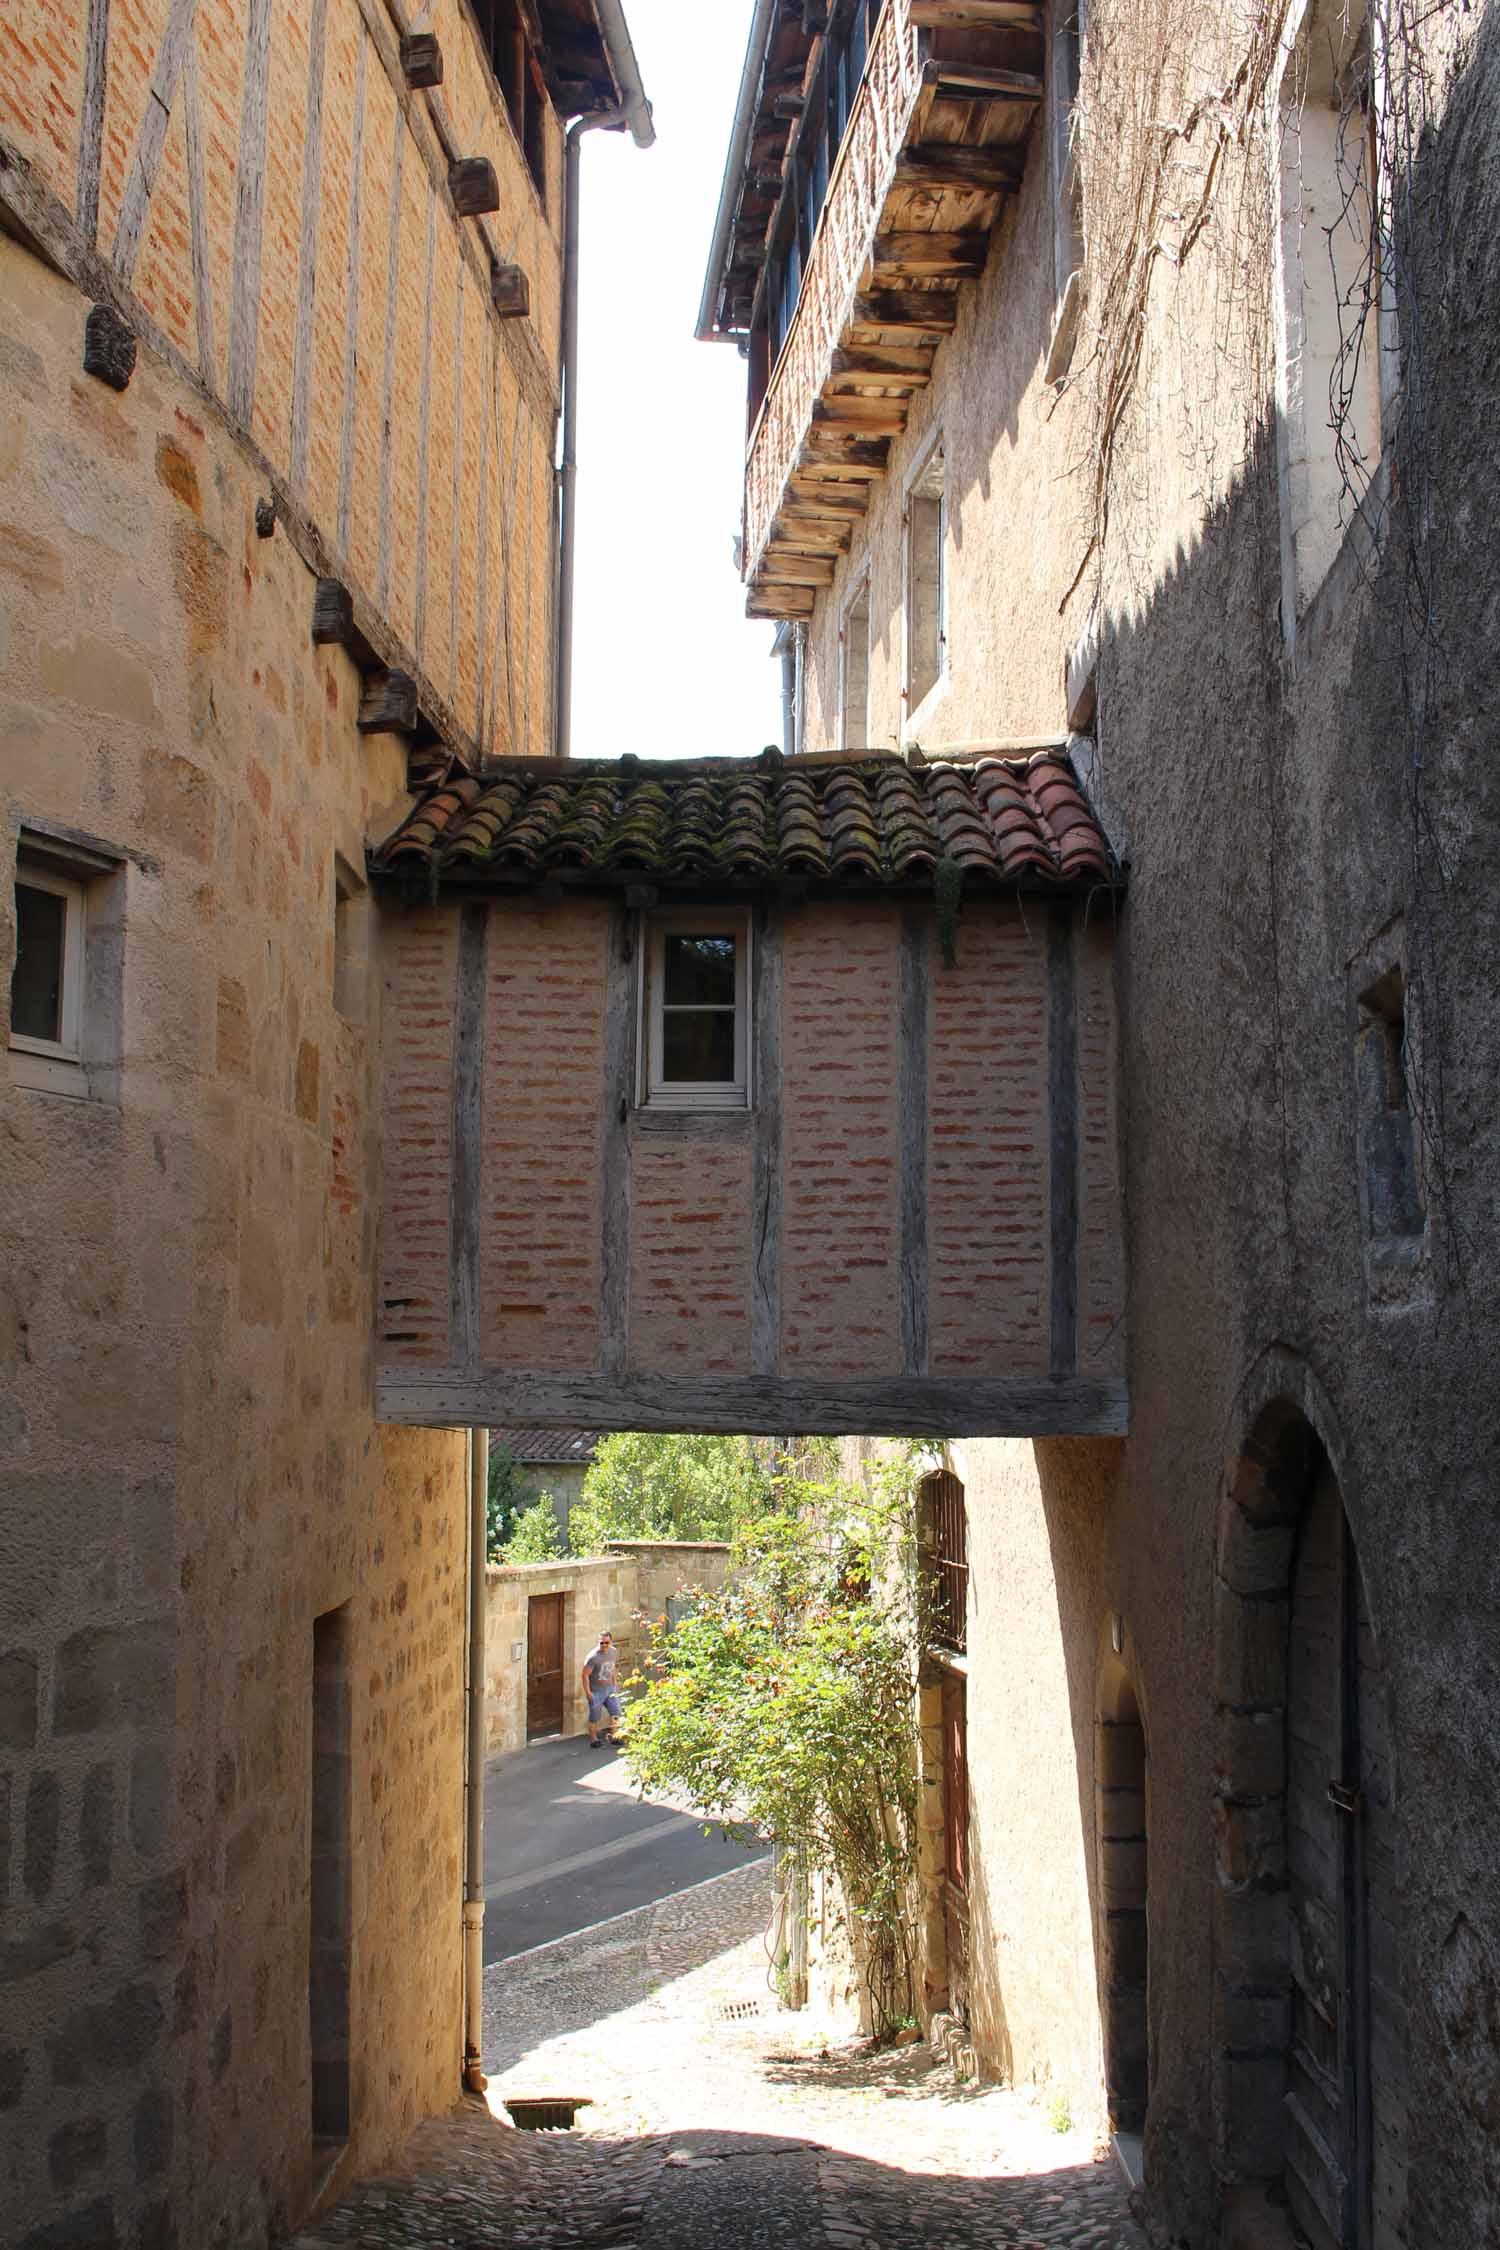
<point x="599" y="1687"/>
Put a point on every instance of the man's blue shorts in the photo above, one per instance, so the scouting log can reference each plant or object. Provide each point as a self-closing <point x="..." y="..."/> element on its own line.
<point x="599" y="1704"/>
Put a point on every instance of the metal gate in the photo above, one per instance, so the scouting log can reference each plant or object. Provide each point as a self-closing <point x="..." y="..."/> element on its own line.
<point x="544" y="1664"/>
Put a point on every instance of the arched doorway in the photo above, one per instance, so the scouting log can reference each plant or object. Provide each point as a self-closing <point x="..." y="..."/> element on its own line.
<point x="1121" y="1832"/>
<point x="1311" y="2030"/>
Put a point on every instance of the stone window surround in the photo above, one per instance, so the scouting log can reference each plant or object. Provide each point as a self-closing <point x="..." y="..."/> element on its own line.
<point x="1309" y="609"/>
<point x="854" y="675"/>
<point x="1397" y="1266"/>
<point x="653" y="1091"/>
<point x="930" y="471"/>
<point x="85" y="1064"/>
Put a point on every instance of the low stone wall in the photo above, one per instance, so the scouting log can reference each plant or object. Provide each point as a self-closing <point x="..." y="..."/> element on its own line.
<point x="615" y="1592"/>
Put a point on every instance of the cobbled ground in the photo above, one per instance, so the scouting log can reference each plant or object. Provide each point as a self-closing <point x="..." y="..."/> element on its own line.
<point x="717" y="2120"/>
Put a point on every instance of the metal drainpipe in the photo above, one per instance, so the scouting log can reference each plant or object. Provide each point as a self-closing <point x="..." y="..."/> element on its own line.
<point x="479" y="1479"/>
<point x="567" y="474"/>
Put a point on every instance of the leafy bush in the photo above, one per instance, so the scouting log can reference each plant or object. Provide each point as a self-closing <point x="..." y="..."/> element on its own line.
<point x="642" y="1485"/>
<point x="536" y="1535"/>
<point x="785" y="1706"/>
<point x="506" y="1496"/>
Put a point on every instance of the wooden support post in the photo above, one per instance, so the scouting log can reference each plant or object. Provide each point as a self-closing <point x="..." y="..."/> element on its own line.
<point x="510" y="292"/>
<point x="333" y="614"/>
<point x="619" y="1100"/>
<point x="473" y="186"/>
<point x="108" y="347"/>
<point x="388" y="704"/>
<point x="913" y="1099"/>
<point x="466" y="1197"/>
<point x="1062" y="1166"/>
<point x="421" y="59"/>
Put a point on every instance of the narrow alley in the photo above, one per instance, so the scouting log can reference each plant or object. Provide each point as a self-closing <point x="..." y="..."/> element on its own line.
<point x="717" y="2116"/>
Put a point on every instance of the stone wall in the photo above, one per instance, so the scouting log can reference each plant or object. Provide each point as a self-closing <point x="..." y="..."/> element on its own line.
<point x="1300" y="819"/>
<point x="191" y="1468"/>
<point x="620" y="1592"/>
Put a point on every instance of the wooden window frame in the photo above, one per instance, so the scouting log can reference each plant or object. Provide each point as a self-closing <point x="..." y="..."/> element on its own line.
<point x="655" y="1091"/>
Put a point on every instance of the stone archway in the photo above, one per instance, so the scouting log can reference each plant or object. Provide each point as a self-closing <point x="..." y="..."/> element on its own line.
<point x="1308" y="2032"/>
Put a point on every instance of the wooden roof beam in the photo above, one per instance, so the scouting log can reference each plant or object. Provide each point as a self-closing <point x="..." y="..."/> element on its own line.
<point x="964" y="78"/>
<point x="976" y="15"/>
<point x="944" y="164"/>
<point x="915" y="256"/>
<point x="917" y="313"/>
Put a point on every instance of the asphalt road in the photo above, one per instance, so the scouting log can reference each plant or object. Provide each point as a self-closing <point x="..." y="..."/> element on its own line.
<point x="567" y="1843"/>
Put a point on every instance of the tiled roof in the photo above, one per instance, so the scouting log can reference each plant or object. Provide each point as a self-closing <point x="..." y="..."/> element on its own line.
<point x="855" y="820"/>
<point x="526" y="1446"/>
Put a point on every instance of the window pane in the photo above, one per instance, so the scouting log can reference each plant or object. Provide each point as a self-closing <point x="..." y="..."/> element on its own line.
<point x="698" y="1046"/>
<point x="36" y="988"/>
<point x="698" y="972"/>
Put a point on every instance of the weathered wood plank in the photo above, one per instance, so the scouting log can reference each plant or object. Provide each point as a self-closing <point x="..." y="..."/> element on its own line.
<point x="421" y="59"/>
<point x="868" y="454"/>
<point x="945" y="164"/>
<point x="912" y="1112"/>
<point x="510" y="292"/>
<point x="91" y="118"/>
<point x="1062" y="1128"/>
<point x="388" y="704"/>
<point x="473" y="186"/>
<point x="203" y="287"/>
<point x="109" y="347"/>
<point x="465" y="1211"/>
<point x="307" y="247"/>
<point x="333" y="614"/>
<point x="619" y="1096"/>
<point x="862" y="417"/>
<point x="151" y="139"/>
<point x="249" y="211"/>
<point x="931" y="312"/>
<point x="455" y="499"/>
<point x="780" y="601"/>
<point x="692" y="1125"/>
<point x="976" y="15"/>
<point x="351" y="302"/>
<point x="909" y="1406"/>
<point x="424" y="450"/>
<point x="905" y="254"/>
<point x="388" y="393"/>
<point x="963" y="78"/>
<point x="766" y="1157"/>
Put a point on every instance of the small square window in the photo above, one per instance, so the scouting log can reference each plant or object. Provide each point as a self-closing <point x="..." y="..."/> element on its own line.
<point x="697" y="1011"/>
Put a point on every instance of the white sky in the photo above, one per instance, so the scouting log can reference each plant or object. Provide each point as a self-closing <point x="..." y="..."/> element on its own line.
<point x="665" y="661"/>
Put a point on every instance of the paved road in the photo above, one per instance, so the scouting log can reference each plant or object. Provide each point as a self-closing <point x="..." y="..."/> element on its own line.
<point x="567" y="1843"/>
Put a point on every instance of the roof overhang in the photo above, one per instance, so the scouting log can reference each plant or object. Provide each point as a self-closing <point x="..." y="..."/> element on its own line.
<point x="1013" y="818"/>
<point x="589" y="62"/>
<point x="746" y="109"/>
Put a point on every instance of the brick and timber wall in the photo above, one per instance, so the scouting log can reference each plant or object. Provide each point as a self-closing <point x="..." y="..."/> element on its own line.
<point x="914" y="1226"/>
<point x="257" y="189"/>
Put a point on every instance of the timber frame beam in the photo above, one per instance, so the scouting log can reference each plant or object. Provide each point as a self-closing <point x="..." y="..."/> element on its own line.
<point x="756" y="1405"/>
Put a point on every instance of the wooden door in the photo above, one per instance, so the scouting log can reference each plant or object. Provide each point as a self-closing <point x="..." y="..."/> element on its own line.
<point x="544" y="1664"/>
<point x="956" y="1840"/>
<point x="1345" y="2100"/>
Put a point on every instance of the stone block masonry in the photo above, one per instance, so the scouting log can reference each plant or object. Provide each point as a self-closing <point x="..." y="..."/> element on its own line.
<point x="191" y="1469"/>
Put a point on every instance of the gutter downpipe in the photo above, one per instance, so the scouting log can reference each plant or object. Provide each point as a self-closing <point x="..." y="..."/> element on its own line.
<point x="633" y="110"/>
<point x="479" y="1478"/>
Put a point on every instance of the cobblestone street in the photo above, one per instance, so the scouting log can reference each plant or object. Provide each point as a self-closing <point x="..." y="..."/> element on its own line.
<point x="718" y="2118"/>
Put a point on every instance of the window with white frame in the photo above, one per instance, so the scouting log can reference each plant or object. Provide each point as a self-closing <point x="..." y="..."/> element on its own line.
<point x="697" y="1010"/>
<point x="854" y="671"/>
<point x="65" y="986"/>
<point x="926" y="579"/>
<point x="46" y="986"/>
<point x="1335" y="333"/>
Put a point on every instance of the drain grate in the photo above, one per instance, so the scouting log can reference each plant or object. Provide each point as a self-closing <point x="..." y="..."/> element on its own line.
<point x="552" y="2113"/>
<point x="731" y="2010"/>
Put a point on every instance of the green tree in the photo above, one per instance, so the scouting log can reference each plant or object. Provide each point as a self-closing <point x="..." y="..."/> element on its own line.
<point x="642" y="1485"/>
<point x="785" y="1705"/>
<point x="506" y="1495"/>
<point x="536" y="1535"/>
